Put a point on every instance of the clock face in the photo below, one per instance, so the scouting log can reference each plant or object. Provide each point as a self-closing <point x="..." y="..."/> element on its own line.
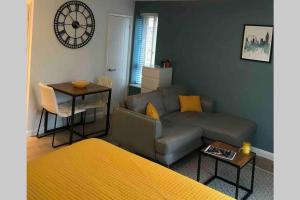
<point x="74" y="24"/>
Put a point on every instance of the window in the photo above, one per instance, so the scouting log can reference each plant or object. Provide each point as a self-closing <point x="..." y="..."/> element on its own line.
<point x="144" y="44"/>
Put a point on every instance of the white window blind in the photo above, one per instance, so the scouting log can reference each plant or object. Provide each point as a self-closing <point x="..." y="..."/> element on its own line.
<point x="149" y="37"/>
<point x="145" y="44"/>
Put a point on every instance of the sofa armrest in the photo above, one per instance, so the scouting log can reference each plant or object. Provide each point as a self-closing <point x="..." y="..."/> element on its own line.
<point x="208" y="104"/>
<point x="135" y="131"/>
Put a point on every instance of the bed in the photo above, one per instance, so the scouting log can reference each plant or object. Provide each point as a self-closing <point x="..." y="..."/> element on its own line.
<point x="94" y="169"/>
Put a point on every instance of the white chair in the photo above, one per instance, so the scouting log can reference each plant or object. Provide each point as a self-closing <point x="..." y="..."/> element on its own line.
<point x="63" y="110"/>
<point x="100" y="101"/>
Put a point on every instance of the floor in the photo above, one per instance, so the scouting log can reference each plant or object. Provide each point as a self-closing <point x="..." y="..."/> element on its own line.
<point x="37" y="147"/>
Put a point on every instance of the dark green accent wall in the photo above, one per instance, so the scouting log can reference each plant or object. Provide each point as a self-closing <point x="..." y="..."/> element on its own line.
<point x="204" y="41"/>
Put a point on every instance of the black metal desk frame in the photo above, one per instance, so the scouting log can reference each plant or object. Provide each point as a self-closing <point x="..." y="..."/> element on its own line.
<point x="71" y="126"/>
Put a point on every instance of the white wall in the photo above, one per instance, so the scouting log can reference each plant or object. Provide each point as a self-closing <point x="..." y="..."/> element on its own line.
<point x="51" y="62"/>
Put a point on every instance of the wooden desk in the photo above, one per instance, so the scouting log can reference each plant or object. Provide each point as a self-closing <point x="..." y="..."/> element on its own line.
<point x="68" y="89"/>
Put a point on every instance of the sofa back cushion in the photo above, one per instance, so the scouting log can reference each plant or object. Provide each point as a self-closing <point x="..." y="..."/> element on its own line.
<point x="170" y="97"/>
<point x="138" y="103"/>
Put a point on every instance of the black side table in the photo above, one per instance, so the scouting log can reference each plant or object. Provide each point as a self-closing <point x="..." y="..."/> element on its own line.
<point x="239" y="162"/>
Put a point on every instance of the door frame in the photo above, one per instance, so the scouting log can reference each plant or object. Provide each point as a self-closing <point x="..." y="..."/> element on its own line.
<point x="129" y="48"/>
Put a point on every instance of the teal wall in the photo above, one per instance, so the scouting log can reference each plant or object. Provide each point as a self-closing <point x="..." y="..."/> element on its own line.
<point x="204" y="41"/>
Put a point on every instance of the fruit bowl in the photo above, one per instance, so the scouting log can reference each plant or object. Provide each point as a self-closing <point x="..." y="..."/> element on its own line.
<point x="80" y="83"/>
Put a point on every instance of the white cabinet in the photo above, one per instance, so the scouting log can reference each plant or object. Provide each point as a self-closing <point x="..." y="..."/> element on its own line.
<point x="152" y="78"/>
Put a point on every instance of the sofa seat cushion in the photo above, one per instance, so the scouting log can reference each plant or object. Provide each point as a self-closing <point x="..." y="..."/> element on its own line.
<point x="138" y="103"/>
<point x="216" y="126"/>
<point x="187" y="118"/>
<point x="178" y="138"/>
<point x="229" y="128"/>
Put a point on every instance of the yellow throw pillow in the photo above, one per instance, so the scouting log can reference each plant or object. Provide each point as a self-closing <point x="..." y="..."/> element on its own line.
<point x="190" y="104"/>
<point x="151" y="111"/>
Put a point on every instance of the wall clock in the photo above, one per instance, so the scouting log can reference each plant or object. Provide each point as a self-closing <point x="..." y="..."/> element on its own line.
<point x="74" y="24"/>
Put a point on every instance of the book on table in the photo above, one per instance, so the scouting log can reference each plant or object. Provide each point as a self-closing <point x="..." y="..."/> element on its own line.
<point x="220" y="152"/>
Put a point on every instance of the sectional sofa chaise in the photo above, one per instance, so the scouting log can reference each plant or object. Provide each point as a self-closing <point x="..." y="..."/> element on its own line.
<point x="177" y="133"/>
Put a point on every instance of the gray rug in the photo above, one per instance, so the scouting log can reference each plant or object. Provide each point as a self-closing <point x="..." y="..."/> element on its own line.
<point x="263" y="180"/>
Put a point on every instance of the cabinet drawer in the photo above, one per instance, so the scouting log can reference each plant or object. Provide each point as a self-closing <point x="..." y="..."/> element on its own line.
<point x="151" y="72"/>
<point x="151" y="83"/>
<point x="145" y="90"/>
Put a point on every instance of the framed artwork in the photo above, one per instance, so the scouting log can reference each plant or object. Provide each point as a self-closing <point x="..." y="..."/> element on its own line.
<point x="257" y="43"/>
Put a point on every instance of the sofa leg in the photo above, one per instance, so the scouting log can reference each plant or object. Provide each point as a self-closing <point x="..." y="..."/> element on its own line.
<point x="168" y="166"/>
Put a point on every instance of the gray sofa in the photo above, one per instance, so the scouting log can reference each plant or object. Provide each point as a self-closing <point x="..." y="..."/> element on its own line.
<point x="177" y="133"/>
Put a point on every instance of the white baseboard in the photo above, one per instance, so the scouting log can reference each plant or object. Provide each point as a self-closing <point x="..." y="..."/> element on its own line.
<point x="30" y="133"/>
<point x="263" y="153"/>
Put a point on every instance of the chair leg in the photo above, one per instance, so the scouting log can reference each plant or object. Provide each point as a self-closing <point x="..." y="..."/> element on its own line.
<point x="83" y="125"/>
<point x="55" y="121"/>
<point x="37" y="134"/>
<point x="109" y="125"/>
<point x="81" y="118"/>
<point x="68" y="121"/>
<point x="95" y="112"/>
<point x="53" y="140"/>
<point x="53" y="137"/>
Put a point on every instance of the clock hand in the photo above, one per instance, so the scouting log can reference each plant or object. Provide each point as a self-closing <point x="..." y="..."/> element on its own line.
<point x="82" y="26"/>
<point x="62" y="24"/>
<point x="71" y="17"/>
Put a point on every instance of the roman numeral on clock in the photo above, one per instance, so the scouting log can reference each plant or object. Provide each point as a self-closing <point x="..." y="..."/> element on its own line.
<point x="63" y="14"/>
<point x="76" y="7"/>
<point x="87" y="33"/>
<point x="62" y="32"/>
<point x="69" y="8"/>
<point x="60" y="23"/>
<point x="67" y="39"/>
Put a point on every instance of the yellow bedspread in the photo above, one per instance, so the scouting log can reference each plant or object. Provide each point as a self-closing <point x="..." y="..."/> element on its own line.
<point x="94" y="169"/>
